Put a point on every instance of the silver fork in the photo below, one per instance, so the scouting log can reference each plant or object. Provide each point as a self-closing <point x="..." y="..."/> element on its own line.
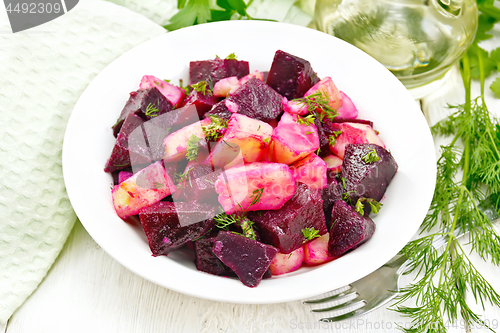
<point x="378" y="288"/>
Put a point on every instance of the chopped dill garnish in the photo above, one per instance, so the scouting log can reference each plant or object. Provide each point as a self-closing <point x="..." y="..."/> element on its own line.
<point x="267" y="140"/>
<point x="192" y="147"/>
<point x="232" y="56"/>
<point x="308" y="120"/>
<point x="158" y="185"/>
<point x="152" y="110"/>
<point x="201" y="87"/>
<point x="371" y="156"/>
<point x="256" y="195"/>
<point x="318" y="103"/>
<point x="310" y="233"/>
<point x="213" y="131"/>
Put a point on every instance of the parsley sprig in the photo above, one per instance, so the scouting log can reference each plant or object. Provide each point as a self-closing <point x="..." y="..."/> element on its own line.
<point x="192" y="12"/>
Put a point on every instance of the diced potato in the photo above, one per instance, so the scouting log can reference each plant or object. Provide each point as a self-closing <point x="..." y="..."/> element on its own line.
<point x="287" y="262"/>
<point x="294" y="107"/>
<point x="143" y="189"/>
<point x="255" y="186"/>
<point x="310" y="171"/>
<point x="226" y="86"/>
<point x="348" y="109"/>
<point x="316" y="251"/>
<point x="333" y="164"/>
<point x="256" y="74"/>
<point x="292" y="141"/>
<point x="174" y="94"/>
<point x="243" y="135"/>
<point x="328" y="88"/>
<point x="353" y="133"/>
<point x="176" y="143"/>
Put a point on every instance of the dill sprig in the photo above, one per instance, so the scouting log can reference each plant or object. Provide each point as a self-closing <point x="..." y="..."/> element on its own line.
<point x="224" y="221"/>
<point x="318" y="103"/>
<point x="192" y="147"/>
<point x="213" y="131"/>
<point x="443" y="279"/>
<point x="152" y="110"/>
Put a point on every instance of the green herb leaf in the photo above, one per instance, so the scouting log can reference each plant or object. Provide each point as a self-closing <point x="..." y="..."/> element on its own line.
<point x="318" y="103"/>
<point x="232" y="56"/>
<point x="374" y="205"/>
<point x="371" y="156"/>
<point x="256" y="195"/>
<point x="201" y="87"/>
<point x="223" y="221"/>
<point x="192" y="12"/>
<point x="213" y="131"/>
<point x="152" y="110"/>
<point x="267" y="140"/>
<point x="331" y="140"/>
<point x="158" y="185"/>
<point x="310" y="233"/>
<point x="192" y="147"/>
<point x="495" y="87"/>
<point x="308" y="120"/>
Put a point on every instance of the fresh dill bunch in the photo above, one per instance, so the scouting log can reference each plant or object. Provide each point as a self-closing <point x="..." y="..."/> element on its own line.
<point x="213" y="131"/>
<point x="192" y="147"/>
<point x="443" y="279"/>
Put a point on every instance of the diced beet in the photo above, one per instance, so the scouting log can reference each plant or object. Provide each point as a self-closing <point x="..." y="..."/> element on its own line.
<point x="290" y="75"/>
<point x="257" y="100"/>
<point x="349" y="229"/>
<point x="248" y="258"/>
<point x="283" y="227"/>
<point x="173" y="93"/>
<point x="199" y="184"/>
<point x="220" y="109"/>
<point x="170" y="225"/>
<point x="123" y="175"/>
<point x="158" y="128"/>
<point x="206" y="260"/>
<point x="369" y="180"/>
<point x="330" y="194"/>
<point x="153" y="104"/>
<point x="130" y="147"/>
<point x="203" y="102"/>
<point x="216" y="69"/>
<point x="324" y="145"/>
<point x="328" y="122"/>
<point x="146" y="103"/>
<point x="133" y="104"/>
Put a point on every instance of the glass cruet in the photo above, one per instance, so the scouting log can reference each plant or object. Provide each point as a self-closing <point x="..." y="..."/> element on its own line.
<point x="417" y="40"/>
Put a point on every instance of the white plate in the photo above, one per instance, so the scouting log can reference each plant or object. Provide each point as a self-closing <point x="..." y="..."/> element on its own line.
<point x="378" y="95"/>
